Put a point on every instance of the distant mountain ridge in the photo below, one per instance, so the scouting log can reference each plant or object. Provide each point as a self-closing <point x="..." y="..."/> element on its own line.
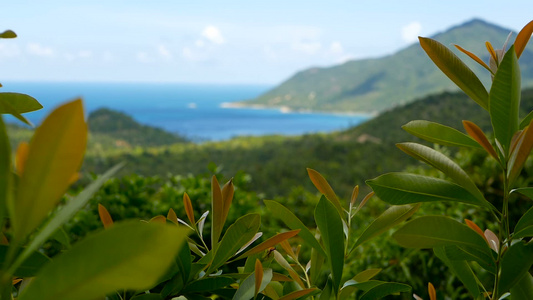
<point x="378" y="84"/>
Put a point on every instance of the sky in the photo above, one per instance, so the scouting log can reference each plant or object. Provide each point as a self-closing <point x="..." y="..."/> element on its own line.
<point x="221" y="42"/>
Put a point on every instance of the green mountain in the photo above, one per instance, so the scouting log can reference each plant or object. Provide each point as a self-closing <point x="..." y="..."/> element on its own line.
<point x="375" y="85"/>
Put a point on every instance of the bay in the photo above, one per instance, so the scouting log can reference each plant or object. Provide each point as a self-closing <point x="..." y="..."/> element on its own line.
<point x="197" y="111"/>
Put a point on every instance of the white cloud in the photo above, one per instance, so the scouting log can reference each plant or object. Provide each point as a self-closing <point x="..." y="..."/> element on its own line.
<point x="164" y="52"/>
<point x="199" y="43"/>
<point x="213" y="34"/>
<point x="411" y="31"/>
<point x="39" y="50"/>
<point x="307" y="47"/>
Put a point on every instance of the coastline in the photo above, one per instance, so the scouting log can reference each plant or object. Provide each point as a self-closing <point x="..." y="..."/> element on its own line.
<point x="287" y="109"/>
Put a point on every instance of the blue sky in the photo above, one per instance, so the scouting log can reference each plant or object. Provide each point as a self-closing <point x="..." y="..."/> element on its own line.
<point x="259" y="42"/>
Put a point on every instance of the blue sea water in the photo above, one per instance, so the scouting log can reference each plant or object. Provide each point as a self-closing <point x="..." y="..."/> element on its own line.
<point x="192" y="110"/>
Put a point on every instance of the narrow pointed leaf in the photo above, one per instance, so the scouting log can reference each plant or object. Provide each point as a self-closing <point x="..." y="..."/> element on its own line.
<point x="525" y="222"/>
<point x="251" y="241"/>
<point x="66" y="212"/>
<point x="522" y="38"/>
<point x="271" y="242"/>
<point x="523" y="289"/>
<point x="105" y="217"/>
<point x="505" y="99"/>
<point x="323" y="186"/>
<point x="131" y="255"/>
<point x="21" y="156"/>
<point x="159" y="219"/>
<point x="227" y="198"/>
<point x="366" y="275"/>
<point x="466" y="253"/>
<point x="393" y="216"/>
<point x="5" y="171"/>
<point x="247" y="287"/>
<point x="521" y="153"/>
<point x="22" y="103"/>
<point x="298" y="294"/>
<point x="56" y="153"/>
<point x="516" y="262"/>
<point x="317" y="261"/>
<point x="355" y="193"/>
<point x="405" y="188"/>
<point x="258" y="273"/>
<point x="461" y="269"/>
<point x="441" y="162"/>
<point x="476" y="228"/>
<point x="492" y="239"/>
<point x="9" y="109"/>
<point x="285" y="264"/>
<point x="456" y="70"/>
<point x="329" y="222"/>
<point x="208" y="284"/>
<point x="439" y="134"/>
<point x="188" y="208"/>
<point x="492" y="52"/>
<point x="8" y="34"/>
<point x="474" y="57"/>
<point x="374" y="289"/>
<point x="236" y="236"/>
<point x="526" y="120"/>
<point x="475" y="132"/>
<point x="172" y="217"/>
<point x="437" y="231"/>
<point x="363" y="202"/>
<point x="431" y="291"/>
<point x="217" y="206"/>
<point x="29" y="267"/>
<point x="286" y="216"/>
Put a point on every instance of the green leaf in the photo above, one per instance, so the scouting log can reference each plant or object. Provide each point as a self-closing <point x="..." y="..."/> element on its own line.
<point x="323" y="186"/>
<point x="456" y="70"/>
<point x="29" y="267"/>
<point x="22" y="103"/>
<point x="515" y="263"/>
<point x="405" y="188"/>
<point x="329" y="223"/>
<point x="247" y="288"/>
<point x="523" y="290"/>
<point x="461" y="269"/>
<point x="441" y="162"/>
<point x="504" y="99"/>
<point x="55" y="155"/>
<point x="66" y="212"/>
<point x="130" y="255"/>
<point x="5" y="171"/>
<point x="208" y="284"/>
<point x="439" y="134"/>
<point x="8" y="34"/>
<point x="375" y="289"/>
<point x="150" y="296"/>
<point x="526" y="120"/>
<point x="238" y="234"/>
<point x="393" y="216"/>
<point x="317" y="261"/>
<point x="217" y="207"/>
<point x="527" y="191"/>
<point x="286" y="216"/>
<point x="437" y="231"/>
<point x="524" y="224"/>
<point x="366" y="275"/>
<point x="485" y="259"/>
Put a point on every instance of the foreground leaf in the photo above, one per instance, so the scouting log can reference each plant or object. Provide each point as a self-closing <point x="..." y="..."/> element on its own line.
<point x="66" y="212"/>
<point x="516" y="263"/>
<point x="32" y="263"/>
<point x="523" y="289"/>
<point x="8" y="34"/>
<point x="271" y="242"/>
<point x="522" y="38"/>
<point x="130" y="255"/>
<point x="5" y="171"/>
<point x="329" y="223"/>
<point x="456" y="70"/>
<point x="505" y="99"/>
<point x="405" y="188"/>
<point x="437" y="231"/>
<point x="439" y="134"/>
<point x="238" y="234"/>
<point x="56" y="153"/>
<point x="323" y="186"/>
<point x="247" y="288"/>
<point x="520" y="153"/>
<point x="286" y="216"/>
<point x="461" y="269"/>
<point x="393" y="216"/>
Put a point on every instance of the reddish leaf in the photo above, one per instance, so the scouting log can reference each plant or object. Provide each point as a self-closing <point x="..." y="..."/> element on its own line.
<point x="105" y="217"/>
<point x="522" y="38"/>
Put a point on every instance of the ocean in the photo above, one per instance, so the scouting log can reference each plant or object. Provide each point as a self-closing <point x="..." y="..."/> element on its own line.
<point x="196" y="111"/>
